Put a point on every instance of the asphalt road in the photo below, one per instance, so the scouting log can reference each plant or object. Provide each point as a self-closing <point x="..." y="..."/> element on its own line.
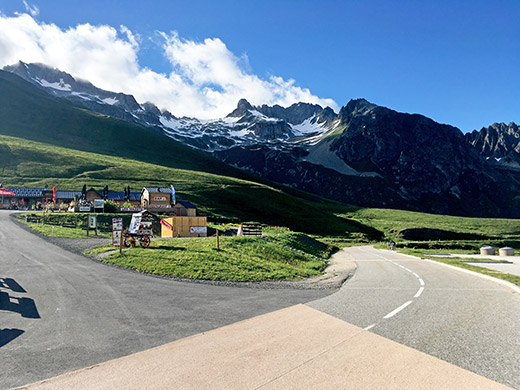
<point x="460" y="318"/>
<point x="60" y="311"/>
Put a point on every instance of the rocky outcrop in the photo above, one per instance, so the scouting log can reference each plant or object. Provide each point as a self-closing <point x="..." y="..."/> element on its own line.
<point x="294" y="114"/>
<point x="395" y="160"/>
<point x="243" y="108"/>
<point x="84" y="94"/>
<point x="497" y="140"/>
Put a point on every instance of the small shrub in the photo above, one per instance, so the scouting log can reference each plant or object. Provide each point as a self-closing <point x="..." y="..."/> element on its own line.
<point x="111" y="207"/>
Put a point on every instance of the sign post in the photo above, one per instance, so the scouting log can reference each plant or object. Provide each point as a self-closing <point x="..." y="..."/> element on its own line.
<point x="91" y="223"/>
<point x="117" y="230"/>
<point x="99" y="204"/>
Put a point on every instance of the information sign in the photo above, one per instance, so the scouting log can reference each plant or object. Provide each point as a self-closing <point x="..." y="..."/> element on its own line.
<point x="92" y="221"/>
<point x="116" y="237"/>
<point x="117" y="224"/>
<point x="117" y="228"/>
<point x="198" y="230"/>
<point x="134" y="224"/>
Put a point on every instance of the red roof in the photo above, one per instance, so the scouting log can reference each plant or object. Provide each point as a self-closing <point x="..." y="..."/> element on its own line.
<point x="5" y="191"/>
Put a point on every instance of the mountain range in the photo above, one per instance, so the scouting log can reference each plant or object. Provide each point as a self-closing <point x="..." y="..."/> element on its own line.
<point x="365" y="155"/>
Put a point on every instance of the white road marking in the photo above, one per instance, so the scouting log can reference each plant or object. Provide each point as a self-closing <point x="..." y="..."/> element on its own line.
<point x="419" y="292"/>
<point x="417" y="295"/>
<point x="370" y="327"/>
<point x="394" y="312"/>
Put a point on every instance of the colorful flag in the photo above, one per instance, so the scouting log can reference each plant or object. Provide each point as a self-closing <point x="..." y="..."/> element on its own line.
<point x="173" y="195"/>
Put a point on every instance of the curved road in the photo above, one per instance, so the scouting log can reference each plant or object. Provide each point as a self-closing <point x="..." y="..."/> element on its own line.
<point x="60" y="311"/>
<point x="471" y="322"/>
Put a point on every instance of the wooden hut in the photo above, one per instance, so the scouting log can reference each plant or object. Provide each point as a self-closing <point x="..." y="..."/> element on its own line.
<point x="183" y="208"/>
<point x="184" y="227"/>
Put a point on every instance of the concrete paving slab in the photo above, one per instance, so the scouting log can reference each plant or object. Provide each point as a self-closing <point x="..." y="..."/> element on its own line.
<point x="297" y="347"/>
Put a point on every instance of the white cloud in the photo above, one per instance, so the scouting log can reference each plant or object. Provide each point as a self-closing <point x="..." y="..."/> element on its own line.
<point x="32" y="9"/>
<point x="206" y="79"/>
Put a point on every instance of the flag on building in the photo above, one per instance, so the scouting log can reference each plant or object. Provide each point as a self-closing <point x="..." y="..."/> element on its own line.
<point x="173" y="195"/>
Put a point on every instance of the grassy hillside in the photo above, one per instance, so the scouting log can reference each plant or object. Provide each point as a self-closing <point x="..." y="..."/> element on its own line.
<point x="393" y="222"/>
<point x="124" y="154"/>
<point x="434" y="233"/>
<point x="29" y="113"/>
<point x="34" y="164"/>
<point x="239" y="259"/>
<point x="26" y="112"/>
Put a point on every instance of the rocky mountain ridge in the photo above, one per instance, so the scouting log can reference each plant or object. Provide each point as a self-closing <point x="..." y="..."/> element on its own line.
<point x="499" y="143"/>
<point x="366" y="154"/>
<point x="244" y="126"/>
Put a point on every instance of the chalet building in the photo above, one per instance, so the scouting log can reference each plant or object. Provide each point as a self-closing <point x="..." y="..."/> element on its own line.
<point x="67" y="196"/>
<point x="119" y="198"/>
<point x="156" y="198"/>
<point x="115" y="196"/>
<point x="92" y="194"/>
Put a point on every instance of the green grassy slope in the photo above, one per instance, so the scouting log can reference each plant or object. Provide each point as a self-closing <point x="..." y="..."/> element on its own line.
<point x="125" y="154"/>
<point x="392" y="222"/>
<point x="29" y="113"/>
<point x="239" y="259"/>
<point x="26" y="112"/>
<point x="34" y="164"/>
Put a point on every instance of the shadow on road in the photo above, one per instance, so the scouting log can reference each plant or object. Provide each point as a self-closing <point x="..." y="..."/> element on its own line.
<point x="25" y="306"/>
<point x="11" y="284"/>
<point x="8" y="335"/>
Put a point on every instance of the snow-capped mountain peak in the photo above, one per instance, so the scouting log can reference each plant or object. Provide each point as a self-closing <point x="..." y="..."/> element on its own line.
<point x="246" y="125"/>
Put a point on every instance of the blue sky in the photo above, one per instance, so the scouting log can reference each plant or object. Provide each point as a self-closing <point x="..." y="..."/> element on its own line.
<point x="456" y="62"/>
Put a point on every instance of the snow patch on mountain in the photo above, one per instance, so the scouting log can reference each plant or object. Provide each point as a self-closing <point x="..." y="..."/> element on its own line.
<point x="240" y="133"/>
<point x="81" y="95"/>
<point x="60" y="86"/>
<point x="110" y="101"/>
<point x="309" y="126"/>
<point x="275" y="126"/>
<point x="263" y="117"/>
